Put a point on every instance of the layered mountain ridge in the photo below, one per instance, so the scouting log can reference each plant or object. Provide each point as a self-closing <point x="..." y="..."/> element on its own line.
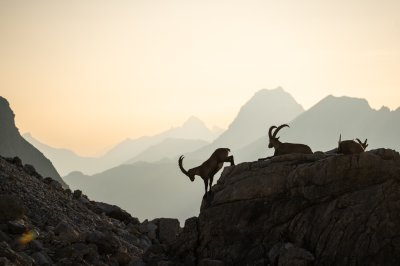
<point x="264" y="107"/>
<point x="179" y="194"/>
<point x="192" y="135"/>
<point x="319" y="127"/>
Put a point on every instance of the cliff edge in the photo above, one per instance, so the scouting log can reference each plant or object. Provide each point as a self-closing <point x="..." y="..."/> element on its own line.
<point x="300" y="210"/>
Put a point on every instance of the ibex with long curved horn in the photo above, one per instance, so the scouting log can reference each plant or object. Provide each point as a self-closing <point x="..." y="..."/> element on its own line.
<point x="209" y="168"/>
<point x="350" y="146"/>
<point x="285" y="148"/>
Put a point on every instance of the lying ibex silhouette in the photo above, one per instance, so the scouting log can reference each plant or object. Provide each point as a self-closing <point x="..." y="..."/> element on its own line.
<point x="209" y="168"/>
<point x="350" y="146"/>
<point x="285" y="148"/>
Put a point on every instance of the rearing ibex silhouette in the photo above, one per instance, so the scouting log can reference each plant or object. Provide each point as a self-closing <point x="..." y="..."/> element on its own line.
<point x="209" y="168"/>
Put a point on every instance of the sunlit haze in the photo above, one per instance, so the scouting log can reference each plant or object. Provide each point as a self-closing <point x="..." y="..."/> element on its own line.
<point x="85" y="75"/>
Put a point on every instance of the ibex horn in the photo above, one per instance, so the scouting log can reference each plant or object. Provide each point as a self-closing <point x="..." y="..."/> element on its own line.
<point x="279" y="128"/>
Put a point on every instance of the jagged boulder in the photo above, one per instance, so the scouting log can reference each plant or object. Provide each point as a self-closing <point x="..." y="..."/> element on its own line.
<point x="43" y="224"/>
<point x="184" y="246"/>
<point x="167" y="229"/>
<point x="333" y="209"/>
<point x="114" y="212"/>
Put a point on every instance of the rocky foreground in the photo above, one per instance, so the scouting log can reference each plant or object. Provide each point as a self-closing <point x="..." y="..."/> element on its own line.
<point x="41" y="223"/>
<point x="300" y="210"/>
<point x="314" y="209"/>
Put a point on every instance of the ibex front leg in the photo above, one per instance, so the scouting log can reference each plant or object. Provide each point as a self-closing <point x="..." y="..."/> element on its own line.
<point x="211" y="181"/>
<point x="205" y="187"/>
<point x="229" y="159"/>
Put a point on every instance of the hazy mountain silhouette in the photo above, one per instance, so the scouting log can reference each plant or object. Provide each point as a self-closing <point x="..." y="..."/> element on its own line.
<point x="168" y="148"/>
<point x="320" y="126"/>
<point x="264" y="108"/>
<point x="184" y="197"/>
<point x="13" y="144"/>
<point x="67" y="161"/>
<point x="146" y="190"/>
<point x="125" y="151"/>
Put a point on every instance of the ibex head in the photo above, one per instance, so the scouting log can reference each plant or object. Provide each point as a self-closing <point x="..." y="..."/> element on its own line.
<point x="189" y="173"/>
<point x="272" y="135"/>
<point x="363" y="144"/>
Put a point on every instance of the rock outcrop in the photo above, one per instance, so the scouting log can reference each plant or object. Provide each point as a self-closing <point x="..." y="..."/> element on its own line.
<point x="41" y="223"/>
<point x="12" y="144"/>
<point x="299" y="210"/>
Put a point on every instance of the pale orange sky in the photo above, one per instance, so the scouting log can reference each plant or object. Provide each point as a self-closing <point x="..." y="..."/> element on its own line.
<point x="86" y="74"/>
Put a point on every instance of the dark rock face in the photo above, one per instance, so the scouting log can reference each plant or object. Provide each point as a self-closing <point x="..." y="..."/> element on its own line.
<point x="114" y="212"/>
<point x="11" y="208"/>
<point x="43" y="224"/>
<point x="168" y="229"/>
<point x="302" y="210"/>
<point x="185" y="245"/>
<point x="12" y="144"/>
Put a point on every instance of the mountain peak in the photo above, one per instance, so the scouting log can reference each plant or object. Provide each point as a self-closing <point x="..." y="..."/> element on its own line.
<point x="277" y="98"/>
<point x="7" y="116"/>
<point x="192" y="128"/>
<point x="344" y="101"/>
<point x="266" y="107"/>
<point x="193" y="121"/>
<point x="384" y="109"/>
<point x="3" y="100"/>
<point x="277" y="90"/>
<point x="13" y="144"/>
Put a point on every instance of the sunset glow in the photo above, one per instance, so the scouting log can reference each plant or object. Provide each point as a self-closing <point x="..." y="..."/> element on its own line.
<point x="85" y="75"/>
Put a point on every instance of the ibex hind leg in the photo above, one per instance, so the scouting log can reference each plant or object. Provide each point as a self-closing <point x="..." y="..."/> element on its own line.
<point x="230" y="159"/>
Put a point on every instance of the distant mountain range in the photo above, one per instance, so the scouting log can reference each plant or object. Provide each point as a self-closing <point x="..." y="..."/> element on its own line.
<point x="165" y="177"/>
<point x="190" y="136"/>
<point x="264" y="108"/>
<point x="13" y="144"/>
<point x="151" y="162"/>
<point x="146" y="190"/>
<point x="247" y="136"/>
<point x="167" y="149"/>
<point x="320" y="126"/>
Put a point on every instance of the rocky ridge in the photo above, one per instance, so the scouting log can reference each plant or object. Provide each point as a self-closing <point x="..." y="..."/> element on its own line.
<point x="298" y="209"/>
<point x="318" y="209"/>
<point x="41" y="223"/>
